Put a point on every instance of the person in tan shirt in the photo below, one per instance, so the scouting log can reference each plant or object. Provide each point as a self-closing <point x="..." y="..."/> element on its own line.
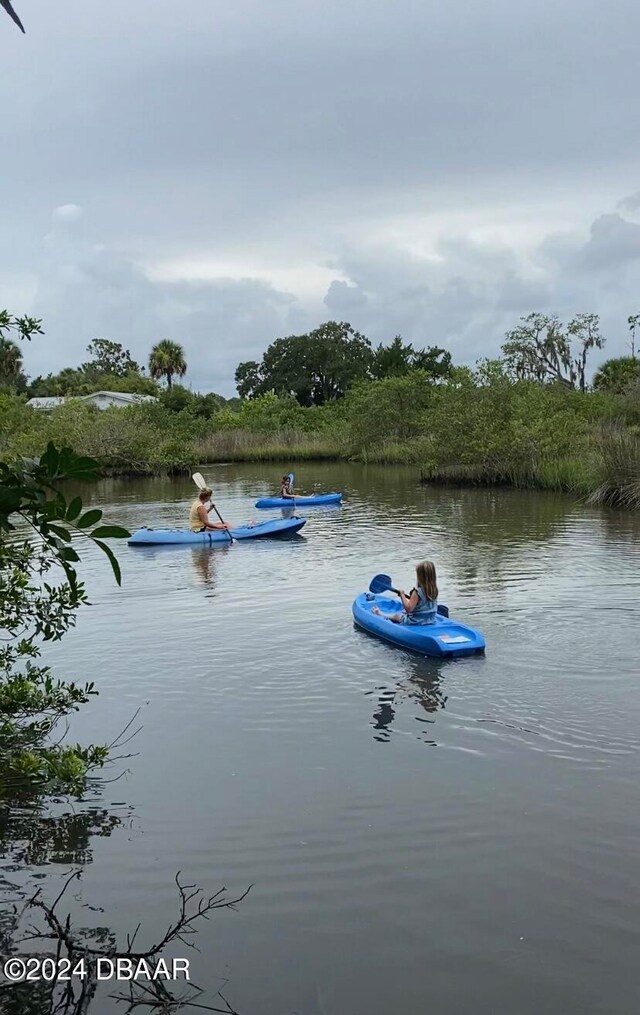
<point x="199" y="514"/>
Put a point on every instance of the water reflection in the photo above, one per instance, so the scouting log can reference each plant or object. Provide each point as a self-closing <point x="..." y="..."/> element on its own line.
<point x="205" y="562"/>
<point x="422" y="684"/>
<point x="34" y="835"/>
<point x="29" y="838"/>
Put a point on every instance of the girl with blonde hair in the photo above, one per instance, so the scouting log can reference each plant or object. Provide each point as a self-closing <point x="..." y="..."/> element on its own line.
<point x="421" y="605"/>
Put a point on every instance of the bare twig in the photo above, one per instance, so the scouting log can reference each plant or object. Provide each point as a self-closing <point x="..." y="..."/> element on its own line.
<point x="74" y="998"/>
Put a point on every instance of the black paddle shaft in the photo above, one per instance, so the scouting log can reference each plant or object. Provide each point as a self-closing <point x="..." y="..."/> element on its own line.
<point x="222" y="520"/>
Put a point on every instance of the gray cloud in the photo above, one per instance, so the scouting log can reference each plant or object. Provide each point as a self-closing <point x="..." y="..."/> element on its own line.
<point x="464" y="297"/>
<point x="630" y="204"/>
<point x="613" y="241"/>
<point x="232" y="119"/>
<point x="86" y="291"/>
<point x="343" y="299"/>
<point x="468" y="296"/>
<point x="443" y="163"/>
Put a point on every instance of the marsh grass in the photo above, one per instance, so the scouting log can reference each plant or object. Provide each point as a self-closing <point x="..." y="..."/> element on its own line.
<point x="566" y="475"/>
<point x="619" y="449"/>
<point x="248" y="446"/>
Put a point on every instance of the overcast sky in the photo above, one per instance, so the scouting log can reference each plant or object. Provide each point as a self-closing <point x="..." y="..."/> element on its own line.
<point x="226" y="173"/>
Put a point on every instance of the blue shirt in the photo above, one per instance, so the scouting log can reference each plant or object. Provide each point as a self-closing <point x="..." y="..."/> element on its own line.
<point x="425" y="612"/>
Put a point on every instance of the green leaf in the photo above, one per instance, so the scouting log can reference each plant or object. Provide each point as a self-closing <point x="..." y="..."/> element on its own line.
<point x="9" y="500"/>
<point x="68" y="553"/>
<point x="110" y="532"/>
<point x="67" y="457"/>
<point x="112" y="558"/>
<point x="59" y="531"/>
<point x="56" y="507"/>
<point x="89" y="518"/>
<point x="74" y="509"/>
<point x="49" y="460"/>
<point x="81" y="467"/>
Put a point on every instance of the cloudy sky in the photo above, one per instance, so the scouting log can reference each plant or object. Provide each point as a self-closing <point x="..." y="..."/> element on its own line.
<point x="224" y="173"/>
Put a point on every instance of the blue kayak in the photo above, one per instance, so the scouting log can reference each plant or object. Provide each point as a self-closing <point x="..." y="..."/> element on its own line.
<point x="314" y="501"/>
<point x="445" y="637"/>
<point x="263" y="530"/>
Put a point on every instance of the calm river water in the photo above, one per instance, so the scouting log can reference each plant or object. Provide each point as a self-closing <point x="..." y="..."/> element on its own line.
<point x="460" y="838"/>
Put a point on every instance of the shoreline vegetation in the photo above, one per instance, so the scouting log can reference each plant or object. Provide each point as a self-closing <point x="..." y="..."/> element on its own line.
<point x="528" y="419"/>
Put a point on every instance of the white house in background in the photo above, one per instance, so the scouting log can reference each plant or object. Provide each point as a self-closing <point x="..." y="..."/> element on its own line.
<point x="106" y="399"/>
<point x="45" y="403"/>
<point x="101" y="400"/>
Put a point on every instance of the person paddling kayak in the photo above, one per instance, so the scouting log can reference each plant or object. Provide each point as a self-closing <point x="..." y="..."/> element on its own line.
<point x="199" y="514"/>
<point x="421" y="605"/>
<point x="286" y="489"/>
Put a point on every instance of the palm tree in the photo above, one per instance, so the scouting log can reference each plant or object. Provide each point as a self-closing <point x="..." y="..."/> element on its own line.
<point x="167" y="359"/>
<point x="10" y="362"/>
<point x="617" y="375"/>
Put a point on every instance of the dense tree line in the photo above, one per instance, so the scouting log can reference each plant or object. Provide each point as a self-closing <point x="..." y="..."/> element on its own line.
<point x="324" y="364"/>
<point x="321" y="366"/>
<point x="529" y="416"/>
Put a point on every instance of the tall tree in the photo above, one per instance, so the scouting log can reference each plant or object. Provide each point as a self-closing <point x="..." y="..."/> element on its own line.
<point x="434" y="361"/>
<point x="398" y="358"/>
<point x="109" y="358"/>
<point x="392" y="360"/>
<point x="541" y="349"/>
<point x="167" y="360"/>
<point x="248" y="378"/>
<point x="314" y="368"/>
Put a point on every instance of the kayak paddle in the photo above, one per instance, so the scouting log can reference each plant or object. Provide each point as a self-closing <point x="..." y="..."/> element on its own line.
<point x="199" y="480"/>
<point x="382" y="583"/>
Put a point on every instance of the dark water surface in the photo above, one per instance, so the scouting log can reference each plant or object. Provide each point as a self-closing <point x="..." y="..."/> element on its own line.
<point x="455" y="837"/>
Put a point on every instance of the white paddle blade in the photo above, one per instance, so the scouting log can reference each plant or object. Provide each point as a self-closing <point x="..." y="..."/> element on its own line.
<point x="198" y="479"/>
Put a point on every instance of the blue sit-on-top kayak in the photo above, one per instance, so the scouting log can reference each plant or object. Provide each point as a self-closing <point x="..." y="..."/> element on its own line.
<point x="443" y="638"/>
<point x="263" y="530"/>
<point x="315" y="501"/>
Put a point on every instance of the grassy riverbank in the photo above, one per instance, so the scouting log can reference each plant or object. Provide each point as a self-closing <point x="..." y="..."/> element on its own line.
<point x="254" y="446"/>
<point x="479" y="428"/>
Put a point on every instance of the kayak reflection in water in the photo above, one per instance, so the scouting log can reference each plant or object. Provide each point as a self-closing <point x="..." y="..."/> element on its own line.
<point x="286" y="488"/>
<point x="199" y="514"/>
<point x="421" y="605"/>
